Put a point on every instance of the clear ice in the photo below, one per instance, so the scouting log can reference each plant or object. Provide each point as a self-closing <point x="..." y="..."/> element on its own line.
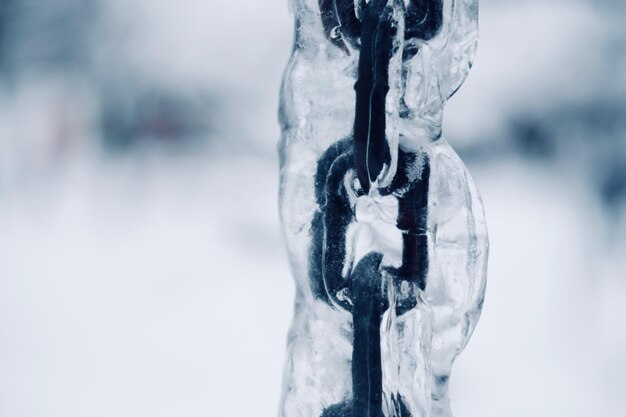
<point x="384" y="227"/>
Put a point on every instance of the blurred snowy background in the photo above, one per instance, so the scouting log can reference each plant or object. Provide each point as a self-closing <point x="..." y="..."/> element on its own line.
<point x="142" y="271"/>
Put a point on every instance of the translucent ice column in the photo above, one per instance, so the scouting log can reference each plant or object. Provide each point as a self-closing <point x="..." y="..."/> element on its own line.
<point x="384" y="227"/>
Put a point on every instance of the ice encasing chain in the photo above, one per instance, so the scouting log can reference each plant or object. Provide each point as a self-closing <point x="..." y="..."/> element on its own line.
<point x="384" y="227"/>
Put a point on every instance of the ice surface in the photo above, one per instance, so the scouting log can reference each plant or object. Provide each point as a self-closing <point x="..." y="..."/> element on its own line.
<point x="384" y="227"/>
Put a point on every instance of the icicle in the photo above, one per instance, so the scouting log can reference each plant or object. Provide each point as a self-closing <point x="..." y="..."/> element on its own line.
<point x="384" y="227"/>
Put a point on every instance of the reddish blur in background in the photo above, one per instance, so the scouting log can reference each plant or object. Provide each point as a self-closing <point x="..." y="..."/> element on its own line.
<point x="142" y="271"/>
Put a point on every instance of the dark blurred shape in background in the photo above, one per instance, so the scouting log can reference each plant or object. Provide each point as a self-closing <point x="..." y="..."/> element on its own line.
<point x="141" y="267"/>
<point x="49" y="36"/>
<point x="131" y="116"/>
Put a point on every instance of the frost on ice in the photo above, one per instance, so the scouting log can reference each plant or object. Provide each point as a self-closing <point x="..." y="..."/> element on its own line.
<point x="384" y="227"/>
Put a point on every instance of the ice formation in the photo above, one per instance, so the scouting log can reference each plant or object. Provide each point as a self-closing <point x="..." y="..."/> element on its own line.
<point x="384" y="227"/>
